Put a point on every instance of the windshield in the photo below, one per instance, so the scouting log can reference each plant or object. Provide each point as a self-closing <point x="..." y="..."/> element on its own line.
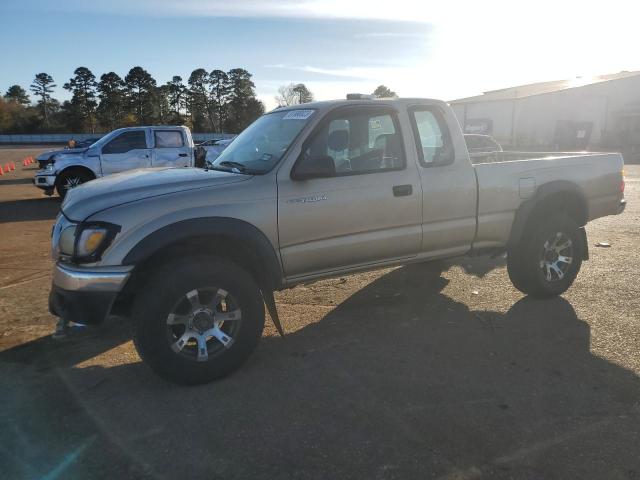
<point x="261" y="145"/>
<point x="101" y="141"/>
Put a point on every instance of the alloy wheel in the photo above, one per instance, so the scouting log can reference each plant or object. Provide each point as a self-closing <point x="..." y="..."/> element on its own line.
<point x="557" y="256"/>
<point x="71" y="182"/>
<point x="203" y="323"/>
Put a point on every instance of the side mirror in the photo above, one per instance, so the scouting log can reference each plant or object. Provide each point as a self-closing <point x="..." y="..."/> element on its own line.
<point x="93" y="152"/>
<point x="314" y="167"/>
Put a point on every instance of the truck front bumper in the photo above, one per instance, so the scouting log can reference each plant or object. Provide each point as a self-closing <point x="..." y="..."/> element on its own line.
<point x="45" y="182"/>
<point x="83" y="295"/>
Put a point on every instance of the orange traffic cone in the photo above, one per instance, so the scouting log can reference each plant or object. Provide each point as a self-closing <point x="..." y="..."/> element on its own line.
<point x="1" y="171"/>
<point x="13" y="166"/>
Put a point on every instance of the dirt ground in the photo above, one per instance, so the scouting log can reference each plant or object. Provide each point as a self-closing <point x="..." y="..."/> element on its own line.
<point x="436" y="371"/>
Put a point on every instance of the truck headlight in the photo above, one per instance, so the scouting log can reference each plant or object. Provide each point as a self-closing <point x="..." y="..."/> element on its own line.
<point x="48" y="167"/>
<point x="67" y="241"/>
<point x="92" y="239"/>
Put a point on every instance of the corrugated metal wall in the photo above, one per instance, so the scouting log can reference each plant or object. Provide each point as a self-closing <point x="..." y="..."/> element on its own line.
<point x="533" y="122"/>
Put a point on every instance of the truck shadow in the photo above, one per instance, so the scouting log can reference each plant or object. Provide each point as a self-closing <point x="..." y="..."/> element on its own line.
<point x="399" y="380"/>
<point x="476" y="266"/>
<point x="45" y="354"/>
<point x="29" y="209"/>
<point x="16" y="181"/>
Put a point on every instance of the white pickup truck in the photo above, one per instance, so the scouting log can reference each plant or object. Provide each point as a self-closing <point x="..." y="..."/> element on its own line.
<point x="121" y="150"/>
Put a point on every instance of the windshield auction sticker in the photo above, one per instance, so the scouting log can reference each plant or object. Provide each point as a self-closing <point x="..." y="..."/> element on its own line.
<point x="298" y="114"/>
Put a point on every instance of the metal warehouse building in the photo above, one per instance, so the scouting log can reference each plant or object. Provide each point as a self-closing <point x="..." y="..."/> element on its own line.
<point x="592" y="113"/>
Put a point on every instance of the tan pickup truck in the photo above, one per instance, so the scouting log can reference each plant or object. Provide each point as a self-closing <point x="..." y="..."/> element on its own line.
<point x="308" y="192"/>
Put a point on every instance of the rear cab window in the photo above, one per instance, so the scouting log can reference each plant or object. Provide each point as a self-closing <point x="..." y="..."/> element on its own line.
<point x="432" y="136"/>
<point x="168" y="139"/>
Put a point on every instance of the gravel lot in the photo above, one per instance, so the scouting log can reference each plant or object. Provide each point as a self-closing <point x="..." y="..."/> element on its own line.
<point x="433" y="371"/>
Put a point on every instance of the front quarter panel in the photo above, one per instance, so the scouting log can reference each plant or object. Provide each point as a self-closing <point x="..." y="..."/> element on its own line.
<point x="63" y="162"/>
<point x="252" y="201"/>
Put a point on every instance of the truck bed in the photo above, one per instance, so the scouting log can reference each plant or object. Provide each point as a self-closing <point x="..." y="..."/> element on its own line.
<point x="514" y="156"/>
<point x="503" y="185"/>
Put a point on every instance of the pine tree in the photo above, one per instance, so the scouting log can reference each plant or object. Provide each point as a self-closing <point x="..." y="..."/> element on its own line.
<point x="83" y="101"/>
<point x="303" y="93"/>
<point x="162" y="108"/>
<point x="384" y="92"/>
<point x="140" y="91"/>
<point x="42" y="87"/>
<point x="198" y="98"/>
<point x="219" y="90"/>
<point x="15" y="93"/>
<point x="293" y="94"/>
<point x="113" y="103"/>
<point x="244" y="107"/>
<point x="176" y="91"/>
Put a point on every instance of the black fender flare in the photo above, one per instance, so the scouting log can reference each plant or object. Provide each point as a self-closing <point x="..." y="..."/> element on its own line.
<point x="543" y="192"/>
<point x="236" y="230"/>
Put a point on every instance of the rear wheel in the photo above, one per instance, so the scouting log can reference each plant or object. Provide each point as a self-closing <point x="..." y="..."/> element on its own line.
<point x="69" y="180"/>
<point x="549" y="257"/>
<point x="198" y="320"/>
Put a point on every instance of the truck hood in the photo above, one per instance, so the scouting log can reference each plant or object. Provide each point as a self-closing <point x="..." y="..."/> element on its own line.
<point x="48" y="154"/>
<point x="126" y="187"/>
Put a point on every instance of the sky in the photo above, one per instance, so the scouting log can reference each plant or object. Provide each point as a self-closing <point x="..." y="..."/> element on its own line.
<point x="446" y="49"/>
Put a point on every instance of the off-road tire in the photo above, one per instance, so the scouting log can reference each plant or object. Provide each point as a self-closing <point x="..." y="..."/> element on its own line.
<point x="525" y="260"/>
<point x="157" y="298"/>
<point x="72" y="174"/>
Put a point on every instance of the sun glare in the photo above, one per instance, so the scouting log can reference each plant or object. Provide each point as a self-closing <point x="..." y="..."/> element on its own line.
<point x="580" y="81"/>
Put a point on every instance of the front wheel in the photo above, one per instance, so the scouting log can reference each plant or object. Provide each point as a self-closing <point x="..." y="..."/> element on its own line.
<point x="547" y="260"/>
<point x="69" y="180"/>
<point x="198" y="320"/>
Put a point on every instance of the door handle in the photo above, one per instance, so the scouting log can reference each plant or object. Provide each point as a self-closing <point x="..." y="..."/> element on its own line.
<point x="402" y="190"/>
<point x="182" y="154"/>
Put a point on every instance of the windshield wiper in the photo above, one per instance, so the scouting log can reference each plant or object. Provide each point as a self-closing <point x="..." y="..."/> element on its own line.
<point x="218" y="168"/>
<point x="233" y="167"/>
<point x="237" y="165"/>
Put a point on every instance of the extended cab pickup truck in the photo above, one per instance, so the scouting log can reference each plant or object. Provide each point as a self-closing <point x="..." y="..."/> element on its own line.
<point x="121" y="150"/>
<point x="193" y="255"/>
